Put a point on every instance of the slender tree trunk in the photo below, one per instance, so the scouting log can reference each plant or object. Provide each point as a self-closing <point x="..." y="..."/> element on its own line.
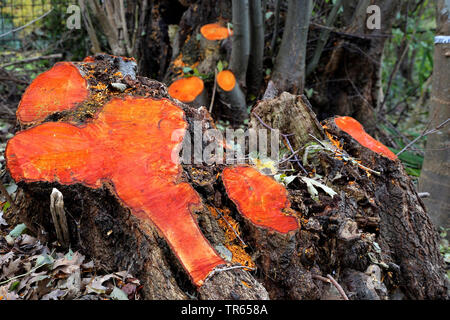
<point x="255" y="64"/>
<point x="241" y="40"/>
<point x="289" y="70"/>
<point x="436" y="169"/>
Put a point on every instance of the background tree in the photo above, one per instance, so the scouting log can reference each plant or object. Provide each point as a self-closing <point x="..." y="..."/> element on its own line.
<point x="436" y="168"/>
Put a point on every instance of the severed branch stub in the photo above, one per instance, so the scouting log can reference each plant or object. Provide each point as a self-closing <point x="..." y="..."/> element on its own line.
<point x="59" y="217"/>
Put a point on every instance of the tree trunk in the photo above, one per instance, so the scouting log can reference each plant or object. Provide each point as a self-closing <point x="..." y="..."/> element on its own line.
<point x="241" y="40"/>
<point x="199" y="228"/>
<point x="289" y="70"/>
<point x="436" y="169"/>
<point x="349" y="81"/>
<point x="255" y="63"/>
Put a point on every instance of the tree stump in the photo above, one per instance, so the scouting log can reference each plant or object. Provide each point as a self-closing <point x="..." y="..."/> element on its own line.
<point x="215" y="230"/>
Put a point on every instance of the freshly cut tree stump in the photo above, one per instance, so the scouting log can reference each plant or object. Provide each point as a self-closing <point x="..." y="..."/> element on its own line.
<point x="219" y="231"/>
<point x="407" y="237"/>
<point x="127" y="148"/>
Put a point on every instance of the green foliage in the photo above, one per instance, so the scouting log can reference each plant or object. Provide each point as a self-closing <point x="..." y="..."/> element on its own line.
<point x="408" y="96"/>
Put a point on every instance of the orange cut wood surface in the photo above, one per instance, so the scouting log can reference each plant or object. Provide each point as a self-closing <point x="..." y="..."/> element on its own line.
<point x="215" y="31"/>
<point x="226" y="80"/>
<point x="259" y="198"/>
<point x="130" y="145"/>
<point x="356" y="130"/>
<point x="186" y="89"/>
<point x="58" y="89"/>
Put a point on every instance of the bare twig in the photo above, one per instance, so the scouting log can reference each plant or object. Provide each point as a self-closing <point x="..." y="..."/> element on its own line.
<point x="276" y="25"/>
<point x="226" y="221"/>
<point x="214" y="91"/>
<point x="50" y="56"/>
<point x="285" y="136"/>
<point x="26" y="25"/>
<point x="423" y="134"/>
<point x="218" y="270"/>
<point x="324" y="34"/>
<point x="316" y="276"/>
<point x="338" y="287"/>
<point x="353" y="35"/>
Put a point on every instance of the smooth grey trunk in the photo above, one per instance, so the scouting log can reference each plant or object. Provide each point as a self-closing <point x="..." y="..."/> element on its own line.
<point x="289" y="70"/>
<point x="255" y="63"/>
<point x="235" y="100"/>
<point x="241" y="40"/>
<point x="436" y="168"/>
<point x="276" y="25"/>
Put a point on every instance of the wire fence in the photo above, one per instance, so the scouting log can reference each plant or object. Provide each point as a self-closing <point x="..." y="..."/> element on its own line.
<point x="33" y="36"/>
<point x="19" y="19"/>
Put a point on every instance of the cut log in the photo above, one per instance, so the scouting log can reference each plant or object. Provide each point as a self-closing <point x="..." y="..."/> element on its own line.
<point x="219" y="231"/>
<point x="102" y="152"/>
<point x="231" y="94"/>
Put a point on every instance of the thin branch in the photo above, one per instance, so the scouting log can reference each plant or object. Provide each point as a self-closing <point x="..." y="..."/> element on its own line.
<point x="423" y="134"/>
<point x="218" y="270"/>
<point x="393" y="73"/>
<point x="51" y="56"/>
<point x="324" y="34"/>
<point x="276" y="25"/>
<point x="338" y="287"/>
<point x="285" y="136"/>
<point x="235" y="232"/>
<point x="214" y="91"/>
<point x="316" y="276"/>
<point x="352" y="35"/>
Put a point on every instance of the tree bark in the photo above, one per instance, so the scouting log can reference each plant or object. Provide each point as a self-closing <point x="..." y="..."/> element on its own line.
<point x="435" y="173"/>
<point x="241" y="40"/>
<point x="255" y="65"/>
<point x="289" y="70"/>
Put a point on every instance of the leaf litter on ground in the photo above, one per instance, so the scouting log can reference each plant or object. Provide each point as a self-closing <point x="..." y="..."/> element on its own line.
<point x="30" y="270"/>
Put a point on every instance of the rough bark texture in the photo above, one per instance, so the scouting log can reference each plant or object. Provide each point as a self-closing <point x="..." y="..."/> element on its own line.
<point x="436" y="169"/>
<point x="406" y="233"/>
<point x="374" y="236"/>
<point x="290" y="114"/>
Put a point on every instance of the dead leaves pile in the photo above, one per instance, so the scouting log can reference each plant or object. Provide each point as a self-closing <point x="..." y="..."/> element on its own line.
<point x="30" y="271"/>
